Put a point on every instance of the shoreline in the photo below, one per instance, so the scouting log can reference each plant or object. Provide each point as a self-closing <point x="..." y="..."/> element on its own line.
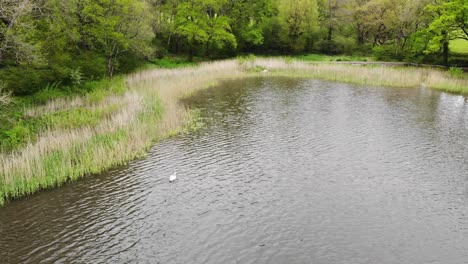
<point x="150" y="111"/>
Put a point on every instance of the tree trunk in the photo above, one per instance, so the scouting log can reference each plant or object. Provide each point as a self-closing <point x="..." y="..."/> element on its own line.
<point x="330" y="33"/>
<point x="445" y="48"/>
<point x="110" y="66"/>
<point x="190" y="53"/>
<point x="446" y="53"/>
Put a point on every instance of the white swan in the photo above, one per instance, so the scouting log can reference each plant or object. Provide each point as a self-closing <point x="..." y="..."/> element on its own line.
<point x="173" y="177"/>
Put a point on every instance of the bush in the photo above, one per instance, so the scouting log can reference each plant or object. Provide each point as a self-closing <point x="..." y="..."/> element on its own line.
<point x="387" y="52"/>
<point x="456" y="72"/>
<point x="129" y="62"/>
<point x="23" y="80"/>
<point x="171" y="63"/>
<point x="345" y="45"/>
<point x="50" y="92"/>
<point x="76" y="76"/>
<point x="15" y="137"/>
<point x="338" y="45"/>
<point x="92" y="65"/>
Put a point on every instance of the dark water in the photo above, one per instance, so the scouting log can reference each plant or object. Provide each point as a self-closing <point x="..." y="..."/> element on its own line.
<point x="286" y="171"/>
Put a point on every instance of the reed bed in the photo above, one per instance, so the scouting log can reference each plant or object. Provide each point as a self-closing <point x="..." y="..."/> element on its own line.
<point x="150" y="109"/>
<point x="366" y="74"/>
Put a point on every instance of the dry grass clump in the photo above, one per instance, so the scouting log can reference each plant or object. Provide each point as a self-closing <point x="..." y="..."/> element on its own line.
<point x="5" y="97"/>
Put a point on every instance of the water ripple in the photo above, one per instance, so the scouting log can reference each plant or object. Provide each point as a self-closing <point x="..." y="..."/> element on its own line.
<point x="286" y="171"/>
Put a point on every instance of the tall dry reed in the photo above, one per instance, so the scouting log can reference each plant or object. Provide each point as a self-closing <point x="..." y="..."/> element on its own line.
<point x="5" y="97"/>
<point x="367" y="74"/>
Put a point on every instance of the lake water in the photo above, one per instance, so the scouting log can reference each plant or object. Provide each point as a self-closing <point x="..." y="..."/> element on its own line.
<point x="284" y="171"/>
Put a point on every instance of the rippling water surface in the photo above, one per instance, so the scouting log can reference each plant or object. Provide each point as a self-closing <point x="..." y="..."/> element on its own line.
<point x="285" y="171"/>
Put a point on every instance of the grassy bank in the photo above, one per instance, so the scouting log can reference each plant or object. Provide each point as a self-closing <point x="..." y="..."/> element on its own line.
<point x="58" y="108"/>
<point x="147" y="110"/>
<point x="74" y="136"/>
<point x="459" y="46"/>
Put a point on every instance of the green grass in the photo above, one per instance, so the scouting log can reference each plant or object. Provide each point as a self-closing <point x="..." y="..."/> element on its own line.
<point x="76" y="118"/>
<point x="68" y="164"/>
<point x="170" y="63"/>
<point x="18" y="128"/>
<point x="459" y="46"/>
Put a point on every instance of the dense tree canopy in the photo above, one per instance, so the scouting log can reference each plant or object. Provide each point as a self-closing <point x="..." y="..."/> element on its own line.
<point x="49" y="41"/>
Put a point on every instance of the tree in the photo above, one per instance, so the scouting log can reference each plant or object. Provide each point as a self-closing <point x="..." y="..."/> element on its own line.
<point x="449" y="22"/>
<point x="200" y="24"/>
<point x="297" y="21"/>
<point x="452" y="16"/>
<point x="17" y="31"/>
<point x="117" y="27"/>
<point x="328" y="16"/>
<point x="248" y="19"/>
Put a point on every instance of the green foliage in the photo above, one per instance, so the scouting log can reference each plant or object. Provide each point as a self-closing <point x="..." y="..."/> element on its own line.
<point x="74" y="41"/>
<point x="76" y="118"/>
<point x="51" y="92"/>
<point x="76" y="76"/>
<point x="23" y="80"/>
<point x="171" y="63"/>
<point x="202" y="28"/>
<point x="16" y="137"/>
<point x="97" y="90"/>
<point x="18" y="128"/>
<point x="386" y="53"/>
<point x="297" y="22"/>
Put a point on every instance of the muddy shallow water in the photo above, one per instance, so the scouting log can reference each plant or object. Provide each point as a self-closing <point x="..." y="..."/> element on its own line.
<point x="284" y="171"/>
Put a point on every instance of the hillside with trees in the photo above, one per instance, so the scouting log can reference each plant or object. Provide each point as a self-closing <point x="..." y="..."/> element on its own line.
<point x="63" y="43"/>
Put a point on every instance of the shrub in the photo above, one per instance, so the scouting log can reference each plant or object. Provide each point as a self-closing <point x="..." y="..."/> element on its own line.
<point x="76" y="76"/>
<point x="16" y="136"/>
<point x="50" y="92"/>
<point x="92" y="65"/>
<point x="23" y="80"/>
<point x="456" y="72"/>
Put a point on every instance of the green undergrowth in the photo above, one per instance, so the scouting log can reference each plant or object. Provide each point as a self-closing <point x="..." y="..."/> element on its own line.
<point x="171" y="63"/>
<point x="79" y="117"/>
<point x="18" y="128"/>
